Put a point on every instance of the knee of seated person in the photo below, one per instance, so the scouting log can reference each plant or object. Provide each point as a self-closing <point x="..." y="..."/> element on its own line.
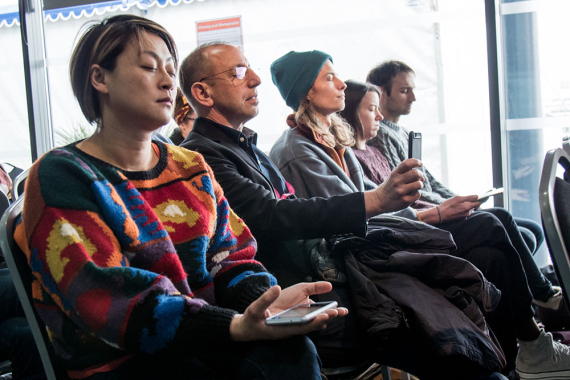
<point x="533" y="227"/>
<point x="488" y="225"/>
<point x="493" y="261"/>
<point x="292" y="358"/>
<point x="16" y="332"/>
<point x="290" y="349"/>
<point x="300" y="349"/>
<point x="302" y="343"/>
<point x="500" y="213"/>
<point x="529" y="239"/>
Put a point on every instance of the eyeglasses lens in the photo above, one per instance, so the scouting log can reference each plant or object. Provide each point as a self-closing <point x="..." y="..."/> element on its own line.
<point x="240" y="75"/>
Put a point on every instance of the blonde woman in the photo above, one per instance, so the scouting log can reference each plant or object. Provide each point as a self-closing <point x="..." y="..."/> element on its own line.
<point x="317" y="145"/>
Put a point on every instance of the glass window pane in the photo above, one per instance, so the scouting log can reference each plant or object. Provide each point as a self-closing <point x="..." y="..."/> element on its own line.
<point x="442" y="40"/>
<point x="15" y="140"/>
<point x="537" y="95"/>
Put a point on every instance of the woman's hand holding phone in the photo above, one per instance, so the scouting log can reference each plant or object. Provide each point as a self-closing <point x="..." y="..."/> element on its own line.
<point x="302" y="313"/>
<point x="485" y="196"/>
<point x="459" y="207"/>
<point x="251" y="324"/>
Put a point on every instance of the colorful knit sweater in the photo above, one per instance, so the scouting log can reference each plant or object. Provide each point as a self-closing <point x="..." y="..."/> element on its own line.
<point x="134" y="262"/>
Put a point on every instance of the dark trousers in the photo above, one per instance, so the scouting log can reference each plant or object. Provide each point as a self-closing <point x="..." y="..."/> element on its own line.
<point x="293" y="358"/>
<point x="404" y="352"/>
<point x="531" y="232"/>
<point x="343" y="344"/>
<point x="502" y="265"/>
<point x="539" y="285"/>
<point x="16" y="340"/>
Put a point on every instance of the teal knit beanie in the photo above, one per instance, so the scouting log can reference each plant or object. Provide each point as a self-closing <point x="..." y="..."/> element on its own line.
<point x="295" y="73"/>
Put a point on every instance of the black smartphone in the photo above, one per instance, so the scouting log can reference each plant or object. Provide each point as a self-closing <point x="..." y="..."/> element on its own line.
<point x="415" y="145"/>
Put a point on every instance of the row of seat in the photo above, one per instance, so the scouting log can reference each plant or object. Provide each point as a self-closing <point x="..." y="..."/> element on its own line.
<point x="554" y="194"/>
<point x="22" y="278"/>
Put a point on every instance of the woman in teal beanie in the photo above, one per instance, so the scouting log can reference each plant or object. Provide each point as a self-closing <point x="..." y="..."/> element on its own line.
<point x="309" y="84"/>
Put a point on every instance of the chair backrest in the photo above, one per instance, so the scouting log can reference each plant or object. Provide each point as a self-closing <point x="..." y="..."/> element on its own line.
<point x="13" y="172"/>
<point x="22" y="278"/>
<point x="18" y="184"/>
<point x="554" y="198"/>
<point x="4" y="203"/>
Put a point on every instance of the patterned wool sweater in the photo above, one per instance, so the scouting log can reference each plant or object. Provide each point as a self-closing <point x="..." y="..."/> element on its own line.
<point x="134" y="262"/>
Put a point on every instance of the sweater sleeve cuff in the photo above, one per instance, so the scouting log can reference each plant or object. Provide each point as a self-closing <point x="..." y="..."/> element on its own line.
<point x="357" y="220"/>
<point x="248" y="294"/>
<point x="210" y="326"/>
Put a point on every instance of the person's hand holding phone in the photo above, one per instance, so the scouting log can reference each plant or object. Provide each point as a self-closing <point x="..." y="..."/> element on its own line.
<point x="491" y="193"/>
<point x="459" y="207"/>
<point x="302" y="313"/>
<point x="456" y="208"/>
<point x="398" y="191"/>
<point x="251" y="324"/>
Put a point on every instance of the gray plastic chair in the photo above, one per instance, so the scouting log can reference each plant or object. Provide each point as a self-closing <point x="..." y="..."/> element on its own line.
<point x="13" y="172"/>
<point x="554" y="198"/>
<point x="4" y="203"/>
<point x="22" y="278"/>
<point x="19" y="183"/>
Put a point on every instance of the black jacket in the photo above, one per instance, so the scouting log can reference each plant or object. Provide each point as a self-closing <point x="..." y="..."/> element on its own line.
<point x="176" y="136"/>
<point x="397" y="271"/>
<point x="277" y="225"/>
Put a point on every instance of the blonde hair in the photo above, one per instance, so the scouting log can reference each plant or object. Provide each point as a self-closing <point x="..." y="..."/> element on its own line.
<point x="338" y="134"/>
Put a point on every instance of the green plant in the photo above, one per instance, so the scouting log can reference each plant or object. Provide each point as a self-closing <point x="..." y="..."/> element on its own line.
<point x="79" y="132"/>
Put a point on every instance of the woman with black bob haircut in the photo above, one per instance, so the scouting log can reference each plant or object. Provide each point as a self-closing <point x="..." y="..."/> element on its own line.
<point x="141" y="269"/>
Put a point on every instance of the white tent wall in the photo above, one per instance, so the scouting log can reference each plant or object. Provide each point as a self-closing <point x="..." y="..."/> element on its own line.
<point x="14" y="133"/>
<point x="446" y="47"/>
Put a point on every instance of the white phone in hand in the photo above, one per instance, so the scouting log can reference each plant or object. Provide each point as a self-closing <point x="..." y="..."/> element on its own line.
<point x="300" y="314"/>
<point x="485" y="196"/>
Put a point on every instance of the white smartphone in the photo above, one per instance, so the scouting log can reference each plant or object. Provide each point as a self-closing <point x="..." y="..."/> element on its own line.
<point x="485" y="196"/>
<point x="301" y="313"/>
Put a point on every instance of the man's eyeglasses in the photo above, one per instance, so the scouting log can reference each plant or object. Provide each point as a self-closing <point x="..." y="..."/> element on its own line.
<point x="238" y="78"/>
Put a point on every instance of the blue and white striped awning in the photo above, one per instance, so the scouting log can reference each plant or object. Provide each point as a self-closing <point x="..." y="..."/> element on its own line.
<point x="9" y="15"/>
